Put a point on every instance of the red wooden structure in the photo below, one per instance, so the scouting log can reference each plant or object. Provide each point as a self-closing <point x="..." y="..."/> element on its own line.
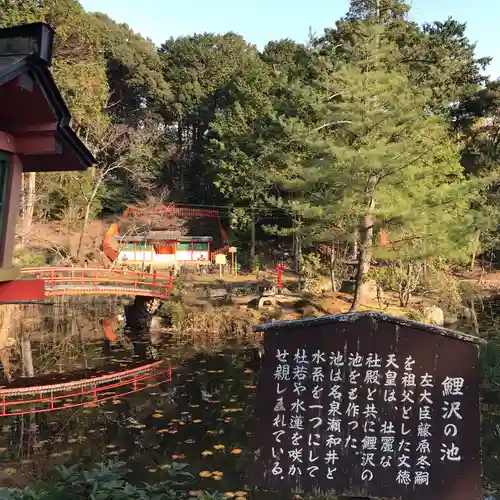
<point x="89" y="281"/>
<point x="88" y="391"/>
<point x="110" y="246"/>
<point x="173" y="210"/>
<point x="279" y="270"/>
<point x="35" y="136"/>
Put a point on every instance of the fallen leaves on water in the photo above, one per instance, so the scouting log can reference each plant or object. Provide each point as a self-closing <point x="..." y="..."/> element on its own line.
<point x="157" y="415"/>
<point x="178" y="457"/>
<point x="205" y="473"/>
<point x="139" y="426"/>
<point x="229" y="494"/>
<point x="206" y="453"/>
<point x="241" y="493"/>
<point x="236" y="451"/>
<point x="111" y="446"/>
<point x="219" y="447"/>
<point x="196" y="421"/>
<point x="232" y="410"/>
<point x="190" y="441"/>
<point x="194" y="406"/>
<point x="162" y="431"/>
<point x="152" y="470"/>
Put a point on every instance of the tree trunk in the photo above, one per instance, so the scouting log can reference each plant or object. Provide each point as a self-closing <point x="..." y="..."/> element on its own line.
<point x="332" y="266"/>
<point x="354" y="247"/>
<point x="82" y="231"/>
<point x="27" y="356"/>
<point x="475" y="249"/>
<point x="252" y="237"/>
<point x="297" y="246"/>
<point x="363" y="266"/>
<point x="365" y="252"/>
<point x="28" y="206"/>
<point x="475" y="323"/>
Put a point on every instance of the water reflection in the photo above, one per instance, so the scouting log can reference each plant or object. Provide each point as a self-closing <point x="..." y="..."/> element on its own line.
<point x="201" y="418"/>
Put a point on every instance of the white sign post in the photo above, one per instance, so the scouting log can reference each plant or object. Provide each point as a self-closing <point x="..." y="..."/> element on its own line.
<point x="220" y="259"/>
<point x="232" y="251"/>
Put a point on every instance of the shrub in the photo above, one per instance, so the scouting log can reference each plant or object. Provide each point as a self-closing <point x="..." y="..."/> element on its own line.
<point x="29" y="258"/>
<point x="104" y="482"/>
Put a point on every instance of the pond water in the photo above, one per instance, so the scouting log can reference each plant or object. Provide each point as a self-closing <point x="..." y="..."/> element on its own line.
<point x="202" y="418"/>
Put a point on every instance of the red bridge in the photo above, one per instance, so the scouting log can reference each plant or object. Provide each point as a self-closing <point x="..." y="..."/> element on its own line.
<point x="87" y="388"/>
<point x="87" y="281"/>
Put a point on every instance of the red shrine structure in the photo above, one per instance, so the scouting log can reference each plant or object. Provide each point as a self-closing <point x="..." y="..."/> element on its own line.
<point x="35" y="136"/>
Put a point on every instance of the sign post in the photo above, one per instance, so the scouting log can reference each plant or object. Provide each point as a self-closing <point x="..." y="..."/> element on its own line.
<point x="367" y="405"/>
<point x="232" y="251"/>
<point x="220" y="259"/>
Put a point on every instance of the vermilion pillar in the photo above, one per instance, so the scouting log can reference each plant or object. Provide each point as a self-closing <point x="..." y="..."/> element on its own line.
<point x="11" y="211"/>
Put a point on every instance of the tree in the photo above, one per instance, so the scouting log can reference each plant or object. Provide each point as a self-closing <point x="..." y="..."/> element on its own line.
<point x="78" y="69"/>
<point x="134" y="71"/>
<point x="385" y="11"/>
<point x="380" y="158"/>
<point x="437" y="56"/>
<point x="203" y="72"/>
<point x="117" y="149"/>
<point x="241" y="140"/>
<point x="477" y="123"/>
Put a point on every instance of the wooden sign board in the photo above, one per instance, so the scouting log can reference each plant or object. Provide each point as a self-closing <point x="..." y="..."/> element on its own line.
<point x="220" y="259"/>
<point x="368" y="405"/>
<point x="232" y="250"/>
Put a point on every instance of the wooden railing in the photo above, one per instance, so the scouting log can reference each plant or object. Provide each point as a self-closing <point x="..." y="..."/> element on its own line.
<point x="159" y="284"/>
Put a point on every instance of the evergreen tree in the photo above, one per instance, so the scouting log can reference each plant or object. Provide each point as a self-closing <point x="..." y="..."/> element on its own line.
<point x="380" y="158"/>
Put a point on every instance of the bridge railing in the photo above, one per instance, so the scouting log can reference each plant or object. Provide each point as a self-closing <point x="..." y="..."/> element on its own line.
<point x="96" y="276"/>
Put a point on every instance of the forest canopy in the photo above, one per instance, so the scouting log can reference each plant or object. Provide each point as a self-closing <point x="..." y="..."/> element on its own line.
<point x="378" y="136"/>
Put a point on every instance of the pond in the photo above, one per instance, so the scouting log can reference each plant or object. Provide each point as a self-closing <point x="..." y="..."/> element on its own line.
<point x="202" y="418"/>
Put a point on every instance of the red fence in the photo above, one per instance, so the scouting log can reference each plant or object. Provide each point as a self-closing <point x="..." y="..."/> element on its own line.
<point x="89" y="392"/>
<point x="65" y="279"/>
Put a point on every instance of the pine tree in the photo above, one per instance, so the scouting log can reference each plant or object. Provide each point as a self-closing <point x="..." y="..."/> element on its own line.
<point x="379" y="157"/>
<point x="377" y="10"/>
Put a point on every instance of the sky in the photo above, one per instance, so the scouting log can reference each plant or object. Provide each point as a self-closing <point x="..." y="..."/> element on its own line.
<point x="259" y="21"/>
